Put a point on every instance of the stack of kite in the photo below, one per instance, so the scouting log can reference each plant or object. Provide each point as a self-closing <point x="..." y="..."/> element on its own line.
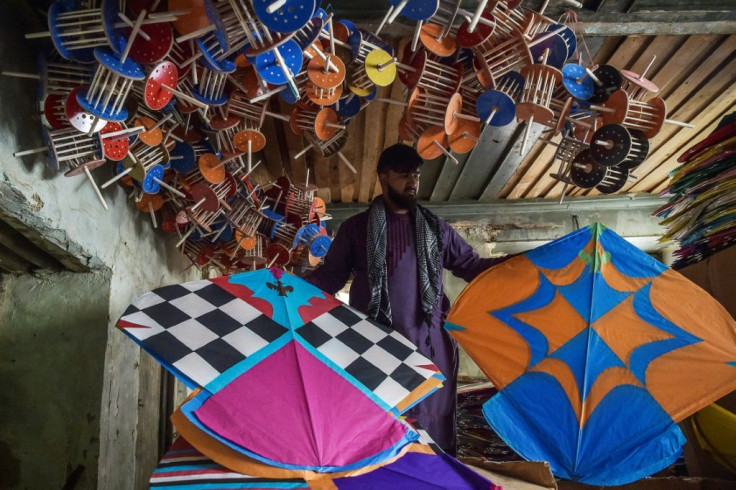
<point x="702" y="205"/>
<point x="291" y="388"/>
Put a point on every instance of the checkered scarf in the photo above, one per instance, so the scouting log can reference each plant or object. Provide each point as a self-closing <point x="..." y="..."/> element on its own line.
<point x="428" y="248"/>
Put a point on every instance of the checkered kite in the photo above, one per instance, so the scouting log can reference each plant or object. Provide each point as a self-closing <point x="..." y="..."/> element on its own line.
<point x="290" y="376"/>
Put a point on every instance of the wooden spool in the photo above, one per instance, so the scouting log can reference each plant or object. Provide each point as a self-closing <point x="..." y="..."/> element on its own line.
<point x="647" y="117"/>
<point x="614" y="145"/>
<point x="113" y="81"/>
<point x="510" y="55"/>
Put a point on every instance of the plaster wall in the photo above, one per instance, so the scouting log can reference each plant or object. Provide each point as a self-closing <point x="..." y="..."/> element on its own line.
<point x="52" y="345"/>
<point x="65" y="217"/>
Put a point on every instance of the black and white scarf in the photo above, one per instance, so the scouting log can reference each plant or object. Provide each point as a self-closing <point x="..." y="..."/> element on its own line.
<point x="428" y="248"/>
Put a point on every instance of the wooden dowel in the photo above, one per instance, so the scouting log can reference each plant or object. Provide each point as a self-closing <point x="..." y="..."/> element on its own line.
<point x="94" y="185"/>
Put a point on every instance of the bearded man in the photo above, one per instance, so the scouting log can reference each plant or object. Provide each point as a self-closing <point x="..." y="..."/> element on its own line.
<point x="396" y="251"/>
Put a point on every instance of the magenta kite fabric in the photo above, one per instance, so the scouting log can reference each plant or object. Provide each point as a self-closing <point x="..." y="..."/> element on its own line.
<point x="267" y="402"/>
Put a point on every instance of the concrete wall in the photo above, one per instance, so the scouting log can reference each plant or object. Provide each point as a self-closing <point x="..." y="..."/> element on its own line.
<point x="52" y="345"/>
<point x="64" y="216"/>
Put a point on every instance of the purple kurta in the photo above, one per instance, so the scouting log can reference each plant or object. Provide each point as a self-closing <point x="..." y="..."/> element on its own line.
<point x="348" y="255"/>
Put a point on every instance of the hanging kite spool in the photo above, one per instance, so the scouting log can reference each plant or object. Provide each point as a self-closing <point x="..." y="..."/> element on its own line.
<point x="54" y="112"/>
<point x="536" y="97"/>
<point x="613" y="144"/>
<point x="77" y="32"/>
<point x="511" y="55"/>
<point x="509" y="19"/>
<point x="480" y="39"/>
<point x="566" y="152"/>
<point x="57" y="78"/>
<point x="283" y="233"/>
<point x="432" y="143"/>
<point x="647" y="117"/>
<point x="253" y="254"/>
<point x="577" y="81"/>
<point x="497" y="107"/>
<point x="564" y="118"/>
<point x="610" y="81"/>
<point x="323" y="123"/>
<point x="245" y="219"/>
<point x="436" y="78"/>
<point x="212" y="81"/>
<point x="434" y="38"/>
<point x="432" y="110"/>
<point x="465" y="137"/>
<point x="454" y="115"/>
<point x="586" y="173"/>
<point x="65" y="145"/>
<point x="638" y="87"/>
<point x="113" y="81"/>
<point x="155" y="94"/>
<point x="325" y="86"/>
<point x="252" y="113"/>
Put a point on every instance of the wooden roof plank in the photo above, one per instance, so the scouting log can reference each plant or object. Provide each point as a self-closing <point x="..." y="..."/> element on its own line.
<point x="375" y="115"/>
<point x="629" y="51"/>
<point x="482" y="161"/>
<point x="534" y="180"/>
<point x="511" y="160"/>
<point x="448" y="177"/>
<point x="695" y="60"/>
<point x="431" y="170"/>
<point x="353" y="151"/>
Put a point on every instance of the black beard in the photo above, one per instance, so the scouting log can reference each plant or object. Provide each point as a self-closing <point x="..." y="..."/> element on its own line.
<point x="401" y="201"/>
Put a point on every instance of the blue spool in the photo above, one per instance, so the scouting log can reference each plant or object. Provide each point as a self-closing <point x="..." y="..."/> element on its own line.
<point x="582" y="89"/>
<point x="355" y="39"/>
<point x="320" y="246"/>
<point x="349" y="106"/>
<point x="209" y="60"/>
<point x="418" y="9"/>
<point x="309" y="34"/>
<point x="557" y="50"/>
<point x="372" y="95"/>
<point x="104" y="112"/>
<point x="568" y="35"/>
<point x="214" y="17"/>
<point x="221" y="100"/>
<point x="290" y="17"/>
<point x="351" y="27"/>
<point x="61" y="7"/>
<point x="304" y="234"/>
<point x="288" y="96"/>
<point x="51" y="161"/>
<point x="227" y="233"/>
<point x="149" y="185"/>
<point x="115" y="35"/>
<point x="271" y="71"/>
<point x="187" y="162"/>
<point x="505" y="107"/>
<point x="127" y="68"/>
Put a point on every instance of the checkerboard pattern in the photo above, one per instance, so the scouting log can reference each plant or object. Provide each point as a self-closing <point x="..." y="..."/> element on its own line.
<point x="198" y="328"/>
<point x="381" y="359"/>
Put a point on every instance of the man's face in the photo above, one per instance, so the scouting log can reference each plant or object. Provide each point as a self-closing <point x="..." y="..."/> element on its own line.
<point x="401" y="187"/>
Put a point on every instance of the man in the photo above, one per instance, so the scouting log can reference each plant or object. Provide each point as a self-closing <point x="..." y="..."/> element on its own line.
<point x="396" y="251"/>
